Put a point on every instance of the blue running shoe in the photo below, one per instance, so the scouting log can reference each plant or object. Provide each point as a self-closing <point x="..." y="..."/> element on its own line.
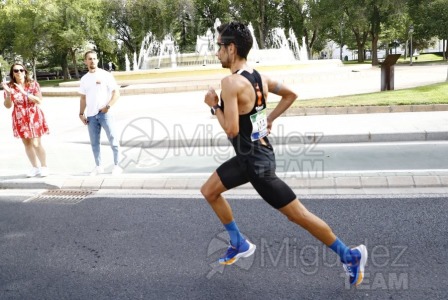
<point x="246" y="249"/>
<point x="356" y="270"/>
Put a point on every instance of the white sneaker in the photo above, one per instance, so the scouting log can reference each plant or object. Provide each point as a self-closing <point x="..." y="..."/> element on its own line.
<point x="116" y="170"/>
<point x="43" y="171"/>
<point x="33" y="172"/>
<point x="97" y="170"/>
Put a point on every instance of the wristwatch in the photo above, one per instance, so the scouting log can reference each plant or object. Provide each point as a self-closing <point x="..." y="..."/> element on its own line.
<point x="214" y="108"/>
<point x="107" y="106"/>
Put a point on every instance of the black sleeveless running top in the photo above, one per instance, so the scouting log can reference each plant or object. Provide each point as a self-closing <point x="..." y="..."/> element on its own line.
<point x="247" y="142"/>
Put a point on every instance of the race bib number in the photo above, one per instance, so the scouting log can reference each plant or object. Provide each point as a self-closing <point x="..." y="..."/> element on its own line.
<point x="259" y="125"/>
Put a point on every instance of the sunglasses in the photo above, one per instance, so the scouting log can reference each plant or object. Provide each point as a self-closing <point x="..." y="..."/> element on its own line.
<point x="221" y="44"/>
<point x="19" y="70"/>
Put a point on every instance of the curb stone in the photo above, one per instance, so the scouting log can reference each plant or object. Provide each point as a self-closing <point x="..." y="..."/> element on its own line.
<point x="335" y="180"/>
<point x="338" y="110"/>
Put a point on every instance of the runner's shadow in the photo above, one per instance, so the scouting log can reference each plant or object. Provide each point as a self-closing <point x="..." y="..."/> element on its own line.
<point x="9" y="177"/>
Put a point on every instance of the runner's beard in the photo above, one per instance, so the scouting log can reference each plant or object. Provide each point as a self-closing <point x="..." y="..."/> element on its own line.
<point x="225" y="64"/>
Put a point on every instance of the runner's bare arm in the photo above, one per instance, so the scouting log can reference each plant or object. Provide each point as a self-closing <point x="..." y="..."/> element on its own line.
<point x="229" y="119"/>
<point x="288" y="97"/>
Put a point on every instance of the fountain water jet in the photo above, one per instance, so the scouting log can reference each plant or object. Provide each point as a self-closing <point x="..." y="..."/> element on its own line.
<point x="135" y="63"/>
<point x="156" y="55"/>
<point x="278" y="49"/>
<point x="303" y="51"/>
<point x="128" y="63"/>
<point x="205" y="46"/>
<point x="168" y="49"/>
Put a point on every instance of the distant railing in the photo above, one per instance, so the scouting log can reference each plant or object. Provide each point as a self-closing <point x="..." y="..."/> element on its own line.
<point x="56" y="75"/>
<point x="46" y="75"/>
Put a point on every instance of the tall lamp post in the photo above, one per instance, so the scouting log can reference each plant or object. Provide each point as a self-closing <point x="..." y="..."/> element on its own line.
<point x="341" y="45"/>
<point x="411" y="30"/>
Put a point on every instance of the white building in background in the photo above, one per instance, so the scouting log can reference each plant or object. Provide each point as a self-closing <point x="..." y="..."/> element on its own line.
<point x="332" y="51"/>
<point x="438" y="46"/>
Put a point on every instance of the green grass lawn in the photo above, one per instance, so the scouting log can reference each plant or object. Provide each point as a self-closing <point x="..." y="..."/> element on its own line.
<point x="422" y="58"/>
<point x="418" y="59"/>
<point x="430" y="94"/>
<point x="53" y="82"/>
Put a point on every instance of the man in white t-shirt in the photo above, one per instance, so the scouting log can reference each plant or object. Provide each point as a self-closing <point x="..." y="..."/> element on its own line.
<point x="99" y="92"/>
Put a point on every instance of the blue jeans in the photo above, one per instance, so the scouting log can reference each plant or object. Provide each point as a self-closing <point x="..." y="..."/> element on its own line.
<point x="95" y="123"/>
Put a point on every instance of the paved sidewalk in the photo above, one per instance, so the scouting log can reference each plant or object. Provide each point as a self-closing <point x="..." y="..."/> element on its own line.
<point x="157" y="120"/>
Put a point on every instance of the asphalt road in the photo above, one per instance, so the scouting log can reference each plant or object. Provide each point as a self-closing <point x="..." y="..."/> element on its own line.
<point x="122" y="246"/>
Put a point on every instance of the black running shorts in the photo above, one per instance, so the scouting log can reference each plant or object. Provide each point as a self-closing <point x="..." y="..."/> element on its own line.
<point x="260" y="173"/>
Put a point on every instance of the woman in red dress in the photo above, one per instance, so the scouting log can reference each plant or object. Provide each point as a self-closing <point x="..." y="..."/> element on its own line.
<point x="28" y="121"/>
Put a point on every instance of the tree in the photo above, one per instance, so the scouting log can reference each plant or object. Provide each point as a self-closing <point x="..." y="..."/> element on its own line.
<point x="355" y="12"/>
<point x="62" y="28"/>
<point x="183" y="26"/>
<point x="7" y="29"/>
<point x="319" y="17"/>
<point x="133" y="20"/>
<point x="206" y="13"/>
<point x="25" y="30"/>
<point x="380" y="12"/>
<point x="263" y="14"/>
<point x="71" y="25"/>
<point x="395" y="31"/>
<point x="430" y="19"/>
<point x="294" y="17"/>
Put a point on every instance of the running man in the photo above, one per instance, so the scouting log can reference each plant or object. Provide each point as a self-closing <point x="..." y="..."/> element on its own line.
<point x="242" y="115"/>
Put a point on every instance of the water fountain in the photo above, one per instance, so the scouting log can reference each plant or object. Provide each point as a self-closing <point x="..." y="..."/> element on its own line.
<point x="157" y="55"/>
<point x="255" y="43"/>
<point x="254" y="51"/>
<point x="154" y="55"/>
<point x="168" y="49"/>
<point x="278" y="50"/>
<point x="150" y="48"/>
<point x="205" y="46"/>
<point x="165" y="54"/>
<point x="127" y="62"/>
<point x="135" y="63"/>
<point x="303" y="51"/>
